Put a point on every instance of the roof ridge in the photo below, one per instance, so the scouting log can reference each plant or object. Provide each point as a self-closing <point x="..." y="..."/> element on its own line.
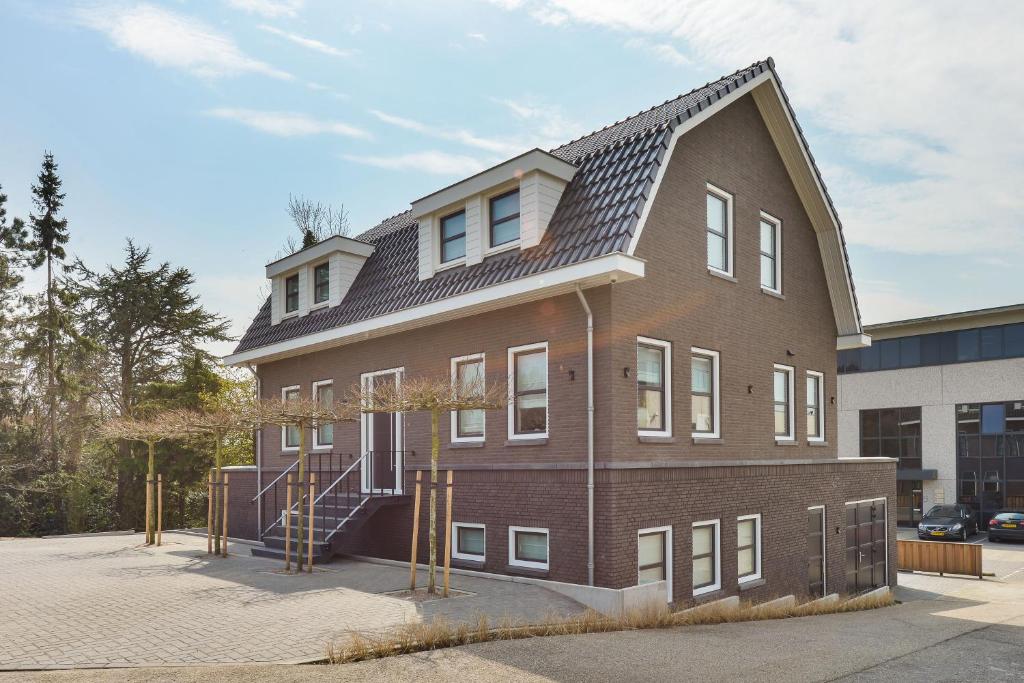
<point x="731" y="76"/>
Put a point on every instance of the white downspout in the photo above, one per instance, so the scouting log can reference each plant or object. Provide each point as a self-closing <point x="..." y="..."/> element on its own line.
<point x="259" y="454"/>
<point x="590" y="435"/>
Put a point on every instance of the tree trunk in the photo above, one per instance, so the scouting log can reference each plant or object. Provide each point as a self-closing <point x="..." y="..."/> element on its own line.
<point x="51" y="389"/>
<point x="216" y="493"/>
<point x="435" y="454"/>
<point x="302" y="479"/>
<point x="150" y="479"/>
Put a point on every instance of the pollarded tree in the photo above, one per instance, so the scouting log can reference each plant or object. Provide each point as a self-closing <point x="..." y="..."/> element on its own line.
<point x="302" y="414"/>
<point x="437" y="396"/>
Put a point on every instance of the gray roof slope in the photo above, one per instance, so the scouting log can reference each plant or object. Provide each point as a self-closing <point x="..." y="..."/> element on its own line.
<point x="596" y="216"/>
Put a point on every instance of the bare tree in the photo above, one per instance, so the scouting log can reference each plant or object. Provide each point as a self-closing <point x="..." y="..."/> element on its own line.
<point x="435" y="395"/>
<point x="315" y="222"/>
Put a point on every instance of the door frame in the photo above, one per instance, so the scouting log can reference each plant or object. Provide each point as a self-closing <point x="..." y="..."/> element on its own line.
<point x="875" y="500"/>
<point x="366" y="436"/>
<point x="824" y="547"/>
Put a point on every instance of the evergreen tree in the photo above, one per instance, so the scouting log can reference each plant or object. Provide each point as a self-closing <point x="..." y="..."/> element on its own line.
<point x="49" y="235"/>
<point x="13" y="242"/>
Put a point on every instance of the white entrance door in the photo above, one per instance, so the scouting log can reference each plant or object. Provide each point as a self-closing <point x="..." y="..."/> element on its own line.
<point x="382" y="440"/>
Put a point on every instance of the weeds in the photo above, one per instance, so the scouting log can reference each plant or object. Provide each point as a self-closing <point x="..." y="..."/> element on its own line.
<point x="440" y="633"/>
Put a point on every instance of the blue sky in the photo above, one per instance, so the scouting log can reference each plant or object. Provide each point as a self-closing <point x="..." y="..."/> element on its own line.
<point x="186" y="125"/>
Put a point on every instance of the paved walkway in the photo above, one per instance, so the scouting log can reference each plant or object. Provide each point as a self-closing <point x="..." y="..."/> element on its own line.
<point x="109" y="601"/>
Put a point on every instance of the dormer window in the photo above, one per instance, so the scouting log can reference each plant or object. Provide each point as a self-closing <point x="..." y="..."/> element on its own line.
<point x="322" y="283"/>
<point x="453" y="237"/>
<point x="291" y="294"/>
<point x="504" y="218"/>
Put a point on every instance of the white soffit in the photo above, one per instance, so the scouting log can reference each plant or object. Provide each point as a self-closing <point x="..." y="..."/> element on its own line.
<point x="337" y="243"/>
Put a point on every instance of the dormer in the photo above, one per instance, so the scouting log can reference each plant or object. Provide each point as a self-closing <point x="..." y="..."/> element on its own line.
<point x="315" y="277"/>
<point x="505" y="207"/>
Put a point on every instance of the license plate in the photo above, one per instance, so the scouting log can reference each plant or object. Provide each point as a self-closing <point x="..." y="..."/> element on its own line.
<point x="938" y="533"/>
<point x="1009" y="526"/>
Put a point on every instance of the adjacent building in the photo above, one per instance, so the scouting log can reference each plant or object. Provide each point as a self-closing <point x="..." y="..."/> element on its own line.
<point x="685" y="262"/>
<point x="944" y="395"/>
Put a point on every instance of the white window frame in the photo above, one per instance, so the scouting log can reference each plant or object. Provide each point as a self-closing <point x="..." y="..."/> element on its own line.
<point x="717" y="585"/>
<point x="485" y="219"/>
<point x="455" y="541"/>
<point x="667" y="354"/>
<point x="316" y="428"/>
<point x="284" y="428"/>
<point x="527" y="564"/>
<point x="791" y="372"/>
<point x="667" y="530"/>
<point x="313" y="303"/>
<point x="821" y="406"/>
<point x="824" y="545"/>
<point x="716" y="395"/>
<point x="756" y="576"/>
<point x="512" y="351"/>
<point x="729" y="237"/>
<point x="777" y="224"/>
<point x="455" y="438"/>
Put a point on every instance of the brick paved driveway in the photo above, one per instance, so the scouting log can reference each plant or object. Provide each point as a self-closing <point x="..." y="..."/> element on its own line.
<point x="110" y="601"/>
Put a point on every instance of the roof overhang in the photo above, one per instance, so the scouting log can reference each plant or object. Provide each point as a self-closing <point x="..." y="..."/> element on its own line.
<point x="603" y="270"/>
<point x="778" y="117"/>
<point x="845" y="342"/>
<point x="947" y="322"/>
<point x="534" y="160"/>
<point x="320" y="250"/>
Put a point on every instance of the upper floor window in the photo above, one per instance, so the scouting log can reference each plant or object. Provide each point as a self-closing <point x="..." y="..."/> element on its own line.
<point x="323" y="434"/>
<point x="704" y="402"/>
<point x="528" y="370"/>
<point x="815" y="406"/>
<point x="653" y="386"/>
<point x="771" y="263"/>
<point x="290" y="433"/>
<point x="468" y="379"/>
<point x="892" y="433"/>
<point x="719" y="229"/>
<point x="453" y="236"/>
<point x="504" y="218"/>
<point x="782" y="401"/>
<point x="291" y="294"/>
<point x="321" y="283"/>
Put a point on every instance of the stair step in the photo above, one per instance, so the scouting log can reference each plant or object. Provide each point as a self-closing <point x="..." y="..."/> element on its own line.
<point x="278" y="554"/>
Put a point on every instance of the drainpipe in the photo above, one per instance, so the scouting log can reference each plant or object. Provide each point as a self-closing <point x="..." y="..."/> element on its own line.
<point x="590" y="435"/>
<point x="258" y="443"/>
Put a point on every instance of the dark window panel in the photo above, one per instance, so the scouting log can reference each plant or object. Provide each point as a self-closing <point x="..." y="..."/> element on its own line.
<point x="948" y="342"/>
<point x="992" y="342"/>
<point x="1013" y="340"/>
<point x="910" y="352"/>
<point x="993" y="418"/>
<point x="967" y="342"/>
<point x="931" y="349"/>
<point x="869" y="358"/>
<point x="889" y="420"/>
<point x="889" y="352"/>
<point x="869" y="423"/>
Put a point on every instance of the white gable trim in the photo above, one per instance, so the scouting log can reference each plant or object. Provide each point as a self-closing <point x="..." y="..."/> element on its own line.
<point x="777" y="117"/>
<point x="611" y="268"/>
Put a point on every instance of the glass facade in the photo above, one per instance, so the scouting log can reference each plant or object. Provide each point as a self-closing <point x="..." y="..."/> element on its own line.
<point x="990" y="457"/>
<point x="939" y="348"/>
<point x="896" y="433"/>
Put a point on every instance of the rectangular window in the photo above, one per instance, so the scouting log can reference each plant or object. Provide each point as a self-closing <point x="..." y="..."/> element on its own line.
<point x="892" y="433"/>
<point x="470" y="541"/>
<point x="653" y="386"/>
<point x="707" y="572"/>
<point x="468" y="380"/>
<point x="704" y="399"/>
<point x="528" y="378"/>
<point x="782" y="402"/>
<point x="771" y="261"/>
<point x="291" y="294"/>
<point x="321" y="283"/>
<point x="290" y="433"/>
<point x="748" y="548"/>
<point x="528" y="547"/>
<point x="323" y="435"/>
<point x="815" y="406"/>
<point x="654" y="556"/>
<point x="504" y="218"/>
<point x="453" y="236"/>
<point x="719" y="229"/>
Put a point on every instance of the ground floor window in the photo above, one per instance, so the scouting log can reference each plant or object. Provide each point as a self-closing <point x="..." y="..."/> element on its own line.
<point x="748" y="548"/>
<point x="654" y="556"/>
<point x="908" y="501"/>
<point x="528" y="547"/>
<point x="470" y="541"/>
<point x="707" y="571"/>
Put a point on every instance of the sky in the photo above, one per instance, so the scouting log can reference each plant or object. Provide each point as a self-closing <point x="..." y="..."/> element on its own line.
<point x="187" y="125"/>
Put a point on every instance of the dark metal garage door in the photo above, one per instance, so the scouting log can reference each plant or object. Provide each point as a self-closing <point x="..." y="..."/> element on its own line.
<point x="865" y="546"/>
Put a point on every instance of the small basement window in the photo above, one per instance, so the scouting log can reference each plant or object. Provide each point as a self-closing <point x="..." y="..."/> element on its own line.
<point x="470" y="541"/>
<point x="528" y="547"/>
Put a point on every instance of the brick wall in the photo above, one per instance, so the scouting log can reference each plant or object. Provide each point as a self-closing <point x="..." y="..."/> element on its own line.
<point x="242" y="515"/>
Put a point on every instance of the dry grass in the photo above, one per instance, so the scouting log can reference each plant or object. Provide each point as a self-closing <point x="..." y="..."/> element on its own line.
<point x="440" y="633"/>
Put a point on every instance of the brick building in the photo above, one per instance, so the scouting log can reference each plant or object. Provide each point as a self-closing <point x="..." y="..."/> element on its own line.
<point x="685" y="257"/>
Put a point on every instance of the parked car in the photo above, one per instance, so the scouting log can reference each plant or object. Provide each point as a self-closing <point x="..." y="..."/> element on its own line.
<point x="1008" y="525"/>
<point x="948" y="522"/>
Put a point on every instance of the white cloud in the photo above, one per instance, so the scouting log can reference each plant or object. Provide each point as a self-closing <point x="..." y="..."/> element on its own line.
<point x="320" y="87"/>
<point x="477" y="36"/>
<point x="931" y="135"/>
<point x="549" y="126"/>
<point x="309" y="43"/>
<point x="549" y="17"/>
<point x="287" y="124"/>
<point x="431" y="161"/>
<point x="662" y="51"/>
<point x="504" y="146"/>
<point x="269" y="8"/>
<point x="173" y="40"/>
<point x="881" y="301"/>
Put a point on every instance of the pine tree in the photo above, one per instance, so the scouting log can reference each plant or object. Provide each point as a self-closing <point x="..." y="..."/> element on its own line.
<point x="13" y="241"/>
<point x="49" y="235"/>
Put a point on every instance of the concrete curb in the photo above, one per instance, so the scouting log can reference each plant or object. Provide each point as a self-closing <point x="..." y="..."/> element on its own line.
<point x="784" y="602"/>
<point x="732" y="602"/>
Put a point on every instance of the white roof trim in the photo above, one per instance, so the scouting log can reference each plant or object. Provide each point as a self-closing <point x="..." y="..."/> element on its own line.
<point x="852" y="341"/>
<point x="336" y="243"/>
<point x="534" y="160"/>
<point x="598" y="271"/>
